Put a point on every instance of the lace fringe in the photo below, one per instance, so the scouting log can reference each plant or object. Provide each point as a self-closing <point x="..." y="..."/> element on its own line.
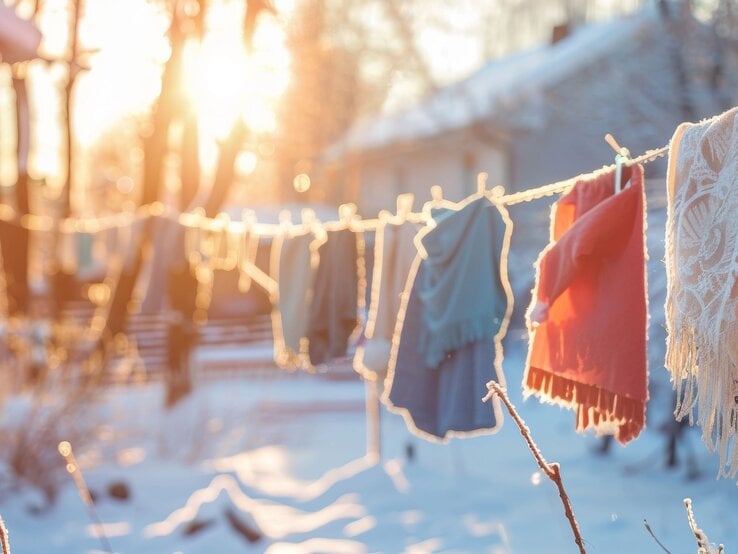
<point x="711" y="389"/>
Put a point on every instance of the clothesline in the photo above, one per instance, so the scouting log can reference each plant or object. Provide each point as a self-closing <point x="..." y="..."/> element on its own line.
<point x="347" y="212"/>
<point x="562" y="186"/>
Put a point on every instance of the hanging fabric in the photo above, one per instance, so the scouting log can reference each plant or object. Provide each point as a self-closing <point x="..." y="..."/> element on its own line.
<point x="702" y="291"/>
<point x="15" y="267"/>
<point x="588" y="316"/>
<point x="67" y="254"/>
<point x="454" y="314"/>
<point x="394" y="252"/>
<point x="294" y="262"/>
<point x="337" y="297"/>
<point x="19" y="38"/>
<point x="167" y="241"/>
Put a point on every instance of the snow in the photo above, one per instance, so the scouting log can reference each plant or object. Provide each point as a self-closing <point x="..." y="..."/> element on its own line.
<point x="517" y="78"/>
<point x="299" y="475"/>
<point x="285" y="453"/>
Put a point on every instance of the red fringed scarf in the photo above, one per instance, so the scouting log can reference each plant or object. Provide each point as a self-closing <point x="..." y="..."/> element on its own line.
<point x="588" y="319"/>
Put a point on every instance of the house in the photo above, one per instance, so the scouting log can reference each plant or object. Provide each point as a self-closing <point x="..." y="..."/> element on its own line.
<point x="540" y="115"/>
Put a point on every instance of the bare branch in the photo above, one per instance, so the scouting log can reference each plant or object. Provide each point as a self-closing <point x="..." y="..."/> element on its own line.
<point x="65" y="449"/>
<point x="4" y="543"/>
<point x="650" y="532"/>
<point x="703" y="543"/>
<point x="552" y="470"/>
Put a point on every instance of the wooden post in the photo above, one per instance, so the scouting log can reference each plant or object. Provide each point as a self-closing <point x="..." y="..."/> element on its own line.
<point x="373" y="420"/>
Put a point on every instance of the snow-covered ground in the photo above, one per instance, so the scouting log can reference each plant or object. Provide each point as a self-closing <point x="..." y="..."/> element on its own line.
<point x="285" y="455"/>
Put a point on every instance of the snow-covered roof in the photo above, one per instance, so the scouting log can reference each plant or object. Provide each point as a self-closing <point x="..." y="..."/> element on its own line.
<point x="500" y="83"/>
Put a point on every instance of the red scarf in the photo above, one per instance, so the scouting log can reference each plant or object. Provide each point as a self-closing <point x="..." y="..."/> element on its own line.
<point x="588" y="340"/>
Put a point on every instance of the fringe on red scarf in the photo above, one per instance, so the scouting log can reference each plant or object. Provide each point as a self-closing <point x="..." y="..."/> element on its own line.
<point x="595" y="408"/>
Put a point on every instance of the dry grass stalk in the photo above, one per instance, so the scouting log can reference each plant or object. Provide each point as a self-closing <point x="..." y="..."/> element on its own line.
<point x="65" y="449"/>
<point x="4" y="543"/>
<point x="703" y="543"/>
<point x="650" y="532"/>
<point x="552" y="470"/>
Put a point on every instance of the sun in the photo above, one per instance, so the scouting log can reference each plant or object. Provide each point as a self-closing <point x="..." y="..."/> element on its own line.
<point x="224" y="81"/>
<point x="129" y="47"/>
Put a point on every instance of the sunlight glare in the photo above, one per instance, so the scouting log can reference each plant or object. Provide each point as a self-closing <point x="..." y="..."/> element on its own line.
<point x="246" y="162"/>
<point x="302" y="182"/>
<point x="220" y="78"/>
<point x="225" y="82"/>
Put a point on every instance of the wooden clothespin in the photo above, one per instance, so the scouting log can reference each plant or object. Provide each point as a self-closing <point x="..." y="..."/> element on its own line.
<point x="497" y="191"/>
<point x="436" y="193"/>
<point x="404" y="206"/>
<point x="482" y="182"/>
<point x="347" y="212"/>
<point x="308" y="217"/>
<point x="622" y="154"/>
<point x="248" y="217"/>
<point x="285" y="218"/>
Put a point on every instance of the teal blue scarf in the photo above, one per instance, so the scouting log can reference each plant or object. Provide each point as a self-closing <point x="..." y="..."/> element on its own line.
<point x="463" y="293"/>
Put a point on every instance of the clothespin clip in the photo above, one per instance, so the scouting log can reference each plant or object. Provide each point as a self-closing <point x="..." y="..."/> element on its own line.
<point x="436" y="201"/>
<point x="311" y="223"/>
<point x="436" y="193"/>
<point x="285" y="218"/>
<point x="497" y="191"/>
<point x="482" y="182"/>
<point x="347" y="213"/>
<point x="404" y="206"/>
<point x="622" y="154"/>
<point x="307" y="215"/>
<point x="248" y="217"/>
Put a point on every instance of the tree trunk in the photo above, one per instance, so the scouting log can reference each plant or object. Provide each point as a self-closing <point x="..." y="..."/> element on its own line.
<point x="155" y="149"/>
<point x="14" y="239"/>
<point x="64" y="284"/>
<point x="182" y="334"/>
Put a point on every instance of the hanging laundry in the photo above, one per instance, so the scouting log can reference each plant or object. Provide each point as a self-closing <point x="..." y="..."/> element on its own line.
<point x="250" y="272"/>
<point x="588" y="316"/>
<point x="454" y="314"/>
<point x="86" y="254"/>
<point x="702" y="291"/>
<point x="66" y="251"/>
<point x="19" y="38"/>
<point x="167" y="239"/>
<point x="394" y="252"/>
<point x="294" y="262"/>
<point x="14" y="240"/>
<point x="337" y="297"/>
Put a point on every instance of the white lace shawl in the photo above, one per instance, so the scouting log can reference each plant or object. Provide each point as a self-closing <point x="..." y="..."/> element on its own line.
<point x="702" y="292"/>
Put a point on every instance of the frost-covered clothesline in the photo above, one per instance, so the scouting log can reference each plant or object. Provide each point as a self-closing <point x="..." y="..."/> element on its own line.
<point x="330" y="318"/>
<point x="248" y="222"/>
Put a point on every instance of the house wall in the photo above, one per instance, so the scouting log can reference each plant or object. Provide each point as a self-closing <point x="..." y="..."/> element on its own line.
<point x="452" y="163"/>
<point x="641" y="104"/>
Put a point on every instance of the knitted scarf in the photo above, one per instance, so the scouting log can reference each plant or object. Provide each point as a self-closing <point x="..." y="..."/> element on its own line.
<point x="588" y="319"/>
<point x="702" y="293"/>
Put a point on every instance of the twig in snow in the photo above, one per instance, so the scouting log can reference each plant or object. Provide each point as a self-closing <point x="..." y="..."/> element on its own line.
<point x="552" y="470"/>
<point x="703" y="543"/>
<point x="4" y="543"/>
<point x="65" y="449"/>
<point x="650" y="532"/>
